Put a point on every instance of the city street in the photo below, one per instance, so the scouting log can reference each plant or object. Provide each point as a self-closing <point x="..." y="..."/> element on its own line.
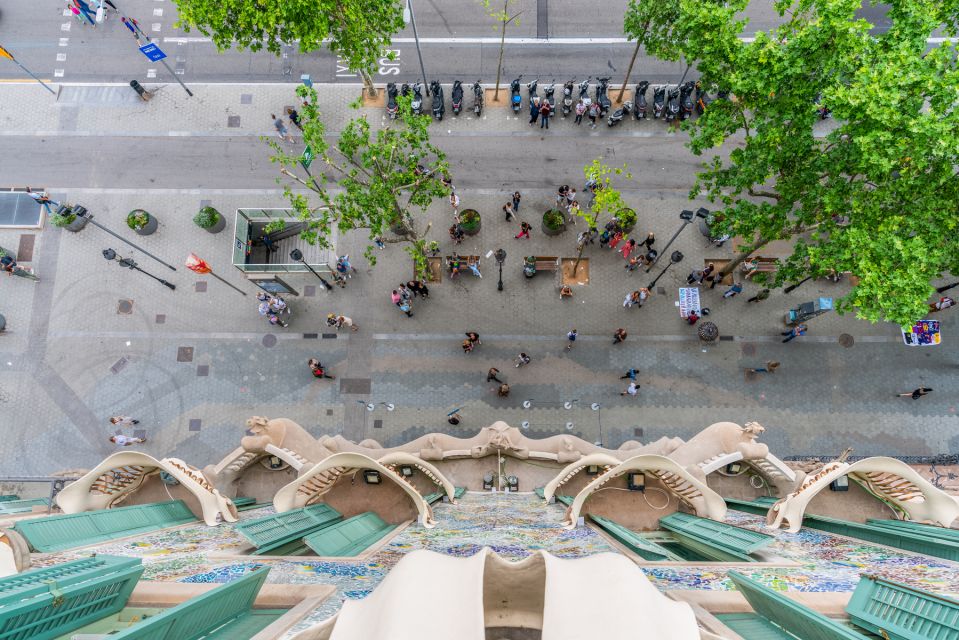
<point x="92" y="340"/>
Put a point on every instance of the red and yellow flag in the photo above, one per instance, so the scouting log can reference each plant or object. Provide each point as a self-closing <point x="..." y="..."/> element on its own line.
<point x="195" y="263"/>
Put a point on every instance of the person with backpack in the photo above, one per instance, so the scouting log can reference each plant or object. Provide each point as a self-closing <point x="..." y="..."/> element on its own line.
<point x="593" y="113"/>
<point x="317" y="369"/>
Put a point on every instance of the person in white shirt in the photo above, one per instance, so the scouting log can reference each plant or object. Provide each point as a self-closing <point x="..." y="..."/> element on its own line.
<point x="632" y="389"/>
<point x="126" y="441"/>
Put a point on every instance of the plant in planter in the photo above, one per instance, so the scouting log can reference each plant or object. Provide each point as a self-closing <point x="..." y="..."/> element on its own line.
<point x="210" y="219"/>
<point x="141" y="222"/>
<point x="470" y="222"/>
<point x="627" y="219"/>
<point x="554" y="222"/>
<point x="63" y="220"/>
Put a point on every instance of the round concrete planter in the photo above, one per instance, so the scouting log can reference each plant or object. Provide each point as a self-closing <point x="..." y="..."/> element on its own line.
<point x="553" y="215"/>
<point x="147" y="229"/>
<point x="470" y="222"/>
<point x="202" y="220"/>
<point x="631" y="215"/>
<point x="76" y="225"/>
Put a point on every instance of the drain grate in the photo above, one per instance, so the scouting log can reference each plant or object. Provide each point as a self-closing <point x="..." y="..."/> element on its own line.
<point x="846" y="340"/>
<point x="203" y="370"/>
<point x="200" y="287"/>
<point x="269" y="340"/>
<point x="184" y="354"/>
<point x="195" y="424"/>
<point x="124" y="307"/>
<point x="161" y="318"/>
<point x="233" y="122"/>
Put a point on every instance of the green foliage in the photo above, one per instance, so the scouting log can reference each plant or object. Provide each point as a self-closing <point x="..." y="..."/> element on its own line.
<point x="382" y="178"/>
<point x="470" y="220"/>
<point x="137" y="219"/>
<point x="206" y="218"/>
<point x="607" y="200"/>
<point x="873" y="191"/>
<point x="62" y="221"/>
<point x="627" y="218"/>
<point x="356" y="30"/>
<point x="650" y="24"/>
<point x="554" y="219"/>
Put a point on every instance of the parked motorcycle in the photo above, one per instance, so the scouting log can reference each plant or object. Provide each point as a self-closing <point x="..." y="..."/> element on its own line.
<point x="686" y="100"/>
<point x="391" y="107"/>
<point x="417" y="102"/>
<point x="659" y="100"/>
<point x="515" y="98"/>
<point x="567" y="98"/>
<point x="601" y="98"/>
<point x="672" y="105"/>
<point x="531" y="91"/>
<point x="639" y="99"/>
<point x="702" y="98"/>
<point x="457" y="95"/>
<point x="477" y="98"/>
<point x="438" y="107"/>
<point x="548" y="96"/>
<point x="617" y="116"/>
<point x="584" y="89"/>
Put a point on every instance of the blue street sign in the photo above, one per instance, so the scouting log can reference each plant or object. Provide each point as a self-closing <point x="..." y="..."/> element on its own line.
<point x="152" y="52"/>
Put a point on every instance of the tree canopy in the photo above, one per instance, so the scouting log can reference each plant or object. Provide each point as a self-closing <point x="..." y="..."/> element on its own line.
<point x="874" y="191"/>
<point x="373" y="180"/>
<point x="356" y="30"/>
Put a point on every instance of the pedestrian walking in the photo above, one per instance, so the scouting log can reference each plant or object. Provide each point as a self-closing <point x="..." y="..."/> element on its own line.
<point x="503" y="390"/>
<point x="125" y="441"/>
<point x="80" y="18"/>
<point x="423" y="289"/>
<point x="573" y="211"/>
<point x="561" y="195"/>
<point x="405" y="293"/>
<point x="533" y="111"/>
<point x="524" y="229"/>
<point x="544" y="113"/>
<point x="317" y="369"/>
<point x="570" y="197"/>
<point x="633" y="263"/>
<point x="379" y="242"/>
<point x="915" y="394"/>
<point x="281" y="129"/>
<point x="508" y="210"/>
<point x="123" y="421"/>
<point x="275" y="320"/>
<point x="456" y="233"/>
<point x="799" y="330"/>
<point x="406" y="307"/>
<point x="565" y="292"/>
<point x="619" y="336"/>
<point x="580" y="112"/>
<point x="343" y="321"/>
<point x="692" y="317"/>
<point x="628" y="248"/>
<point x="278" y="305"/>
<point x="42" y="199"/>
<point x="762" y="295"/>
<point x="630" y="374"/>
<point x="522" y="359"/>
<point x="88" y="13"/>
<point x="631" y="299"/>
<point x="604" y="238"/>
<point x="571" y="338"/>
<point x="631" y="390"/>
<point x="455" y="203"/>
<point x="648" y="242"/>
<point x="473" y="337"/>
<point x="616" y="239"/>
<point x="644" y="294"/>
<point x="516" y="198"/>
<point x="8" y="264"/>
<point x="695" y="276"/>
<point x="294" y="117"/>
<point x="467" y="347"/>
<point x="733" y="290"/>
<point x="943" y="303"/>
<point x="707" y="273"/>
<point x="769" y="367"/>
<point x="493" y="374"/>
<point x="593" y="112"/>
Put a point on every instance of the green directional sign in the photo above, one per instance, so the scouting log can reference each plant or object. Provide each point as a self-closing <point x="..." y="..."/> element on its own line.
<point x="307" y="158"/>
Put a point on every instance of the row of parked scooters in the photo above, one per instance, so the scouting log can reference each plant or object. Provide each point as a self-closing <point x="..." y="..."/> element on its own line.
<point x="670" y="102"/>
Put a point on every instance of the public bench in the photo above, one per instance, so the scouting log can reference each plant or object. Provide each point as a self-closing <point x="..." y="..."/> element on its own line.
<point x="350" y="537"/>
<point x="67" y="531"/>
<point x="47" y="603"/>
<point x="464" y="263"/>
<point x="273" y="533"/>
<point x="547" y="263"/>
<point x="756" y="265"/>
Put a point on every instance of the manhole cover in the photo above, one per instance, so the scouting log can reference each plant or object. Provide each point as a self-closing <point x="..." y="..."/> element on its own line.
<point x="749" y="349"/>
<point x="269" y="340"/>
<point x="161" y="318"/>
<point x="184" y="354"/>
<point x="846" y="340"/>
<point x="125" y="307"/>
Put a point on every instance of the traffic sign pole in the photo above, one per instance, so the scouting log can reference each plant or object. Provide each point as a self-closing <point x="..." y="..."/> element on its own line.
<point x="155" y="54"/>
<point x="177" y="78"/>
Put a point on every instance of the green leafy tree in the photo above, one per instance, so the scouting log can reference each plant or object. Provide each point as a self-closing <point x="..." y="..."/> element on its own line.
<point x="605" y="198"/>
<point x="503" y="18"/>
<point x="382" y="180"/>
<point x="650" y="24"/>
<point x="356" y="30"/>
<point x="872" y="192"/>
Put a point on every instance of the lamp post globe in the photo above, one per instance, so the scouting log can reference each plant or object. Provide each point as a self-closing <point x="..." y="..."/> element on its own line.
<point x="500" y="256"/>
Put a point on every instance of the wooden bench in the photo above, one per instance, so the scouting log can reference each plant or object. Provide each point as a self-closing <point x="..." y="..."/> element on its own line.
<point x="547" y="263"/>
<point x="759" y="265"/>
<point x="465" y="262"/>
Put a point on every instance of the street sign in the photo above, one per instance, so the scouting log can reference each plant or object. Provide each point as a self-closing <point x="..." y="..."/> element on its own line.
<point x="307" y="158"/>
<point x="152" y="52"/>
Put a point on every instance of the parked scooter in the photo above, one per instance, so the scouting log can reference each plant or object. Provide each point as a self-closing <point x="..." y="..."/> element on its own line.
<point x="601" y="98"/>
<point x="567" y="98"/>
<point x="457" y="95"/>
<point x="702" y="98"/>
<point x="686" y="100"/>
<point x="548" y="96"/>
<point x="617" y="116"/>
<point x="391" y="106"/>
<point x="672" y="106"/>
<point x="438" y="107"/>
<point x="477" y="98"/>
<point x="515" y="98"/>
<point x="531" y="91"/>
<point x="584" y="89"/>
<point x="639" y="99"/>
<point x="417" y="103"/>
<point x="659" y="100"/>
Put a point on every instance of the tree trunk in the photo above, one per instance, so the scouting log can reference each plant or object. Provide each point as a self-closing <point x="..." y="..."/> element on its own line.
<point x="502" y="45"/>
<point x="368" y="83"/>
<point x="579" y="258"/>
<point x="735" y="262"/>
<point x="622" y="89"/>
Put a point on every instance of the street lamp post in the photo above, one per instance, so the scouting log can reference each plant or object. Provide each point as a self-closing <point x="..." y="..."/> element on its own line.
<point x="599" y="409"/>
<point x="687" y="217"/>
<point x="111" y="255"/>
<point x="297" y="255"/>
<point x="500" y="256"/>
<point x="81" y="211"/>
<point x="674" y="258"/>
<point x="409" y="17"/>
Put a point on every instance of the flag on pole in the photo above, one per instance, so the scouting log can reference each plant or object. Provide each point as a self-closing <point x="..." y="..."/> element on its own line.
<point x="195" y="263"/>
<point x="5" y="54"/>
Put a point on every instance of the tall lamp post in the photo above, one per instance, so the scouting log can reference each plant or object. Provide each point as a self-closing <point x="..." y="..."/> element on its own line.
<point x="500" y="256"/>
<point x="674" y="258"/>
<point x="687" y="217"/>
<point x="81" y="211"/>
<point x="297" y="256"/>
<point x="410" y="18"/>
<point x="111" y="255"/>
